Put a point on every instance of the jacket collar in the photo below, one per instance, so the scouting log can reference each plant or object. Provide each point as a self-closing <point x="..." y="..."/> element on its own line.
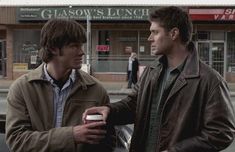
<point x="81" y="77"/>
<point x="191" y="68"/>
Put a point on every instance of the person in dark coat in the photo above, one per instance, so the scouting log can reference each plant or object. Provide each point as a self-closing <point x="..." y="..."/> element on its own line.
<point x="179" y="104"/>
<point x="132" y="69"/>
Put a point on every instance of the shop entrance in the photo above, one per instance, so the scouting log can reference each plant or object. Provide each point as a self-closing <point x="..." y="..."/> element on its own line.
<point x="2" y="58"/>
<point x="213" y="53"/>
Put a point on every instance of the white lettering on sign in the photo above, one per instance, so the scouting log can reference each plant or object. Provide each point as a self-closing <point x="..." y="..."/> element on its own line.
<point x="229" y="11"/>
<point x="224" y="17"/>
<point x="221" y="14"/>
<point x="96" y="13"/>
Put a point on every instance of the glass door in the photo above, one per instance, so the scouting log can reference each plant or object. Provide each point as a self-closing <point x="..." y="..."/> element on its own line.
<point x="212" y="53"/>
<point x="211" y="48"/>
<point x="217" y="49"/>
<point x="204" y="52"/>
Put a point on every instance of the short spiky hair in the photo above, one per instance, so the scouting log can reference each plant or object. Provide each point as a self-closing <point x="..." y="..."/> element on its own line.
<point x="171" y="17"/>
<point x="57" y="33"/>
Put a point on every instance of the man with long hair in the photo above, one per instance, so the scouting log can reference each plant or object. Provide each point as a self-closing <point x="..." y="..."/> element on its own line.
<point x="45" y="106"/>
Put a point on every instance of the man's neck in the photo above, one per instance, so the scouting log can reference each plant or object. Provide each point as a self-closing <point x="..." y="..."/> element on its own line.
<point x="177" y="56"/>
<point x="57" y="72"/>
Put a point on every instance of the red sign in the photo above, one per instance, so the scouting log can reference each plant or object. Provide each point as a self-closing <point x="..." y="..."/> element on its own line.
<point x="102" y="48"/>
<point x="210" y="14"/>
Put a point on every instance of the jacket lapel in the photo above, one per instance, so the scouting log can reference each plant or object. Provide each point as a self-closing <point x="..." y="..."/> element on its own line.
<point x="82" y="82"/>
<point x="156" y="69"/>
<point x="191" y="70"/>
<point x="179" y="83"/>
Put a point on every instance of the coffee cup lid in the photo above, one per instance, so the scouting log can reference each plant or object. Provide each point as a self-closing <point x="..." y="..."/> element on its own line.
<point x="94" y="117"/>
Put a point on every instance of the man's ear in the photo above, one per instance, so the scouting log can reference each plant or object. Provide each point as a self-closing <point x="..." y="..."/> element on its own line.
<point x="174" y="33"/>
<point x="54" y="51"/>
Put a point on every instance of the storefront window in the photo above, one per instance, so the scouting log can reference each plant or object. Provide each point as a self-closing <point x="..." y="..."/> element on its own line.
<point x="26" y="49"/>
<point x="203" y="35"/>
<point x="145" y="54"/>
<point x="102" y="51"/>
<point x="111" y="51"/>
<point x="218" y="35"/>
<point x="211" y="49"/>
<point x="231" y="51"/>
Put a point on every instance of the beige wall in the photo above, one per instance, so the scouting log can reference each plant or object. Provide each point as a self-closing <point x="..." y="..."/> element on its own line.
<point x="9" y="50"/>
<point x="7" y="15"/>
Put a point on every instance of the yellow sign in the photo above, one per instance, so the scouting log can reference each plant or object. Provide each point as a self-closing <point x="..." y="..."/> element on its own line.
<point x="20" y="66"/>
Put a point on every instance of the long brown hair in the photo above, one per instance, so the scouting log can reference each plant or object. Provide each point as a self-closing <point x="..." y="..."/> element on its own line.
<point x="57" y="33"/>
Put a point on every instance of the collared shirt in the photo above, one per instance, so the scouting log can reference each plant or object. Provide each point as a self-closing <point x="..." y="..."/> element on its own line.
<point x="130" y="64"/>
<point x="60" y="95"/>
<point x="160" y="92"/>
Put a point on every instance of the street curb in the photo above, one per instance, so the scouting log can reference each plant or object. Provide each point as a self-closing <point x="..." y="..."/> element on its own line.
<point x="114" y="92"/>
<point x="119" y="92"/>
<point x="4" y="90"/>
<point x="110" y="92"/>
<point x="232" y="94"/>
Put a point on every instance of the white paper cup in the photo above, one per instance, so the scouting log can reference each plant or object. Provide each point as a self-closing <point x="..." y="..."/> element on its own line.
<point x="94" y="118"/>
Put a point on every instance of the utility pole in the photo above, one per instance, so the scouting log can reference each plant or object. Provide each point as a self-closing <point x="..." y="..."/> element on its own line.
<point x="88" y="32"/>
<point x="88" y="48"/>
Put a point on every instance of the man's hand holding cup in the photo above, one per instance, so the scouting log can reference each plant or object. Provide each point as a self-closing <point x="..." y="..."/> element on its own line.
<point x="92" y="132"/>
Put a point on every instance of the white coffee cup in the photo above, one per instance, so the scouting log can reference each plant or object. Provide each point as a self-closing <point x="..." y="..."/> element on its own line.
<point x="94" y="118"/>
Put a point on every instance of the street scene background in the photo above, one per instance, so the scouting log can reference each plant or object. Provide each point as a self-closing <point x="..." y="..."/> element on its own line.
<point x="113" y="32"/>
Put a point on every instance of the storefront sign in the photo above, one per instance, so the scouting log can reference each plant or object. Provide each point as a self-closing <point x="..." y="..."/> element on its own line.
<point x="209" y="14"/>
<point x="20" y="66"/>
<point x="102" y="48"/>
<point x="82" y="13"/>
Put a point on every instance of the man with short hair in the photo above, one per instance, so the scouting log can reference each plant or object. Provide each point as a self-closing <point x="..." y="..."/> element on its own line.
<point x="180" y="104"/>
<point x="132" y="69"/>
<point x="45" y="106"/>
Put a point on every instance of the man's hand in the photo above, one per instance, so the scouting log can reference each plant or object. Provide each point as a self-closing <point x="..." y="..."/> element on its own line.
<point x="90" y="133"/>
<point x="103" y="110"/>
<point x="165" y="151"/>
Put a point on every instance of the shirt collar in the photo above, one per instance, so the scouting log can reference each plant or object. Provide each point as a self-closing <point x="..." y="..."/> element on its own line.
<point x="164" y="63"/>
<point x="47" y="77"/>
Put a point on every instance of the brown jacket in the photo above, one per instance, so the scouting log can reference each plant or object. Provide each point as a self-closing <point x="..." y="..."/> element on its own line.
<point x="197" y="115"/>
<point x="29" y="119"/>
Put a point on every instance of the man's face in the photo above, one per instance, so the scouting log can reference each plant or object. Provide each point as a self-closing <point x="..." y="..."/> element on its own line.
<point x="70" y="56"/>
<point x="161" y="41"/>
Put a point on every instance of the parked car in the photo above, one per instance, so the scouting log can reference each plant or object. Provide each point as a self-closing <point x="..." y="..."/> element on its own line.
<point x="124" y="134"/>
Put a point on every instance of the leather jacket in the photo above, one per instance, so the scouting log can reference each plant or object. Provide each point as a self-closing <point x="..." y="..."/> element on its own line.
<point x="197" y="115"/>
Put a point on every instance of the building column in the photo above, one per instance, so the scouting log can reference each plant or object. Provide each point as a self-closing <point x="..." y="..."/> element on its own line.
<point x="9" y="51"/>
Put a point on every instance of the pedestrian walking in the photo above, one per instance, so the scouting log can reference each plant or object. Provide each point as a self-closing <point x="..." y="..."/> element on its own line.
<point x="133" y="68"/>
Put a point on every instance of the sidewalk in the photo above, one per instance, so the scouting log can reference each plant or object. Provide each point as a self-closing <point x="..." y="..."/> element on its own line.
<point x="4" y="84"/>
<point x="116" y="88"/>
<point x="111" y="87"/>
